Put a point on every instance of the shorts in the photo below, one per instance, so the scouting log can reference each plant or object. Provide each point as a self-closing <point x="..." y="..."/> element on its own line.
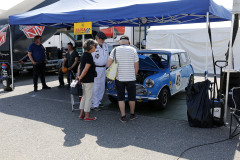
<point x="131" y="90"/>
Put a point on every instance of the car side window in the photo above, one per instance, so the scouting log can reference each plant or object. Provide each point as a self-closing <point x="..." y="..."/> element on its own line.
<point x="175" y="60"/>
<point x="184" y="59"/>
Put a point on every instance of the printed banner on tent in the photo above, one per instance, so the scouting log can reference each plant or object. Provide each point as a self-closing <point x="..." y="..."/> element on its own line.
<point x="32" y="31"/>
<point x="3" y="34"/>
<point x="82" y="28"/>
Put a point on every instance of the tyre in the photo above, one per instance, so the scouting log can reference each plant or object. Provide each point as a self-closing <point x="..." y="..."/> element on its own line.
<point x="163" y="98"/>
<point x="191" y="80"/>
<point x="112" y="99"/>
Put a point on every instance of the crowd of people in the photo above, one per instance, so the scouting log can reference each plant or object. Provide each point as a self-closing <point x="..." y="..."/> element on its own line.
<point x="91" y="72"/>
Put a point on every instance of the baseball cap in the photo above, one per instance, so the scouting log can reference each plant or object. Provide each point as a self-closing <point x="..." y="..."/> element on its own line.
<point x="124" y="37"/>
<point x="101" y="35"/>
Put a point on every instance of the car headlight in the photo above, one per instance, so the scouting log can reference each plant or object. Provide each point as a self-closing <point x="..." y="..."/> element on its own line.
<point x="149" y="83"/>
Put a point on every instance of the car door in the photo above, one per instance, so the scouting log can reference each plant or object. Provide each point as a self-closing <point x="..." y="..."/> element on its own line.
<point x="184" y="61"/>
<point x="175" y="74"/>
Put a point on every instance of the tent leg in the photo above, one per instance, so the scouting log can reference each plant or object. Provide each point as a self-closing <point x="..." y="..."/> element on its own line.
<point x="139" y="36"/>
<point x="83" y="40"/>
<point x="228" y="70"/>
<point x="206" y="67"/>
<point x="11" y="55"/>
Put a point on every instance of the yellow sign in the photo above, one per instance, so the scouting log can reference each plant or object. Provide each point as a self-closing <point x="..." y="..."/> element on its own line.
<point x="82" y="28"/>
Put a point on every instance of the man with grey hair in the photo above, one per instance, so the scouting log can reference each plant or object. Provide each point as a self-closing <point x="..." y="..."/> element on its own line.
<point x="128" y="65"/>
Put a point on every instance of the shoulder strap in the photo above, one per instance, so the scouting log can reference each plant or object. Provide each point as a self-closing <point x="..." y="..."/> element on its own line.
<point x="114" y="54"/>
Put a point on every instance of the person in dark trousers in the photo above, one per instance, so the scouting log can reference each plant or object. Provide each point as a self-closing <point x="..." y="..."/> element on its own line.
<point x="128" y="65"/>
<point x="37" y="55"/>
<point x="70" y="61"/>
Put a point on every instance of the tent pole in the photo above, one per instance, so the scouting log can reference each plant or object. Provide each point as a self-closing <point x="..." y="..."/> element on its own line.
<point x="61" y="41"/>
<point x="206" y="67"/>
<point x="139" y="36"/>
<point x="83" y="40"/>
<point x="11" y="55"/>
<point x="228" y="69"/>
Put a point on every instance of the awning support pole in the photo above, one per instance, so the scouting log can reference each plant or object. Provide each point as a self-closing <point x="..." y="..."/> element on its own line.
<point x="83" y="40"/>
<point x="139" y="36"/>
<point x="207" y="41"/>
<point x="11" y="55"/>
<point x="228" y="70"/>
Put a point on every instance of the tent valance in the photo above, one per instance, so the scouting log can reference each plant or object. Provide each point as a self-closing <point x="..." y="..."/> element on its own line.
<point x="123" y="13"/>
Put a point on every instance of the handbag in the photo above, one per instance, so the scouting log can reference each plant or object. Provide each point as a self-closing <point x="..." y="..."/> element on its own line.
<point x="111" y="72"/>
<point x="76" y="88"/>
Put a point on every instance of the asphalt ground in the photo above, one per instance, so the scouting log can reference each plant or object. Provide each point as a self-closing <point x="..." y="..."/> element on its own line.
<point x="41" y="126"/>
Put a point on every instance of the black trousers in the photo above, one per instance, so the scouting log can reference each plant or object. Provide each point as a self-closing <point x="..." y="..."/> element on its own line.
<point x="39" y="71"/>
<point x="131" y="89"/>
<point x="70" y="76"/>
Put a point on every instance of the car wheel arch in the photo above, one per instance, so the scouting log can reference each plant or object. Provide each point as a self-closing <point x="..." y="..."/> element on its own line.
<point x="167" y="87"/>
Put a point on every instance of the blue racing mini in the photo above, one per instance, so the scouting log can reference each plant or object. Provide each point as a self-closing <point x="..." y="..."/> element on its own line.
<point x="162" y="73"/>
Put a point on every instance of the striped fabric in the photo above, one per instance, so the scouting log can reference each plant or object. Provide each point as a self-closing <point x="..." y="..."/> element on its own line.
<point x="126" y="57"/>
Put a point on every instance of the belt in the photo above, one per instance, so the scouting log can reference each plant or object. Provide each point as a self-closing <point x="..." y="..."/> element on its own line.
<point x="101" y="66"/>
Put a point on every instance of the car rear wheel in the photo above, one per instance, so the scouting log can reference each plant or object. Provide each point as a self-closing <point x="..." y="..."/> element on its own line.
<point x="162" y="101"/>
<point x="112" y="99"/>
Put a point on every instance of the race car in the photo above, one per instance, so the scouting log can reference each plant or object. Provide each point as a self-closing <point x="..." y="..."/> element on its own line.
<point x="162" y="73"/>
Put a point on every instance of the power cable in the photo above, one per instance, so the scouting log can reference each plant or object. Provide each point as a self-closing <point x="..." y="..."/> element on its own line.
<point x="205" y="145"/>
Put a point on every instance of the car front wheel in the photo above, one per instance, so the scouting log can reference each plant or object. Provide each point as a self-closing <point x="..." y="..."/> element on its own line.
<point x="162" y="101"/>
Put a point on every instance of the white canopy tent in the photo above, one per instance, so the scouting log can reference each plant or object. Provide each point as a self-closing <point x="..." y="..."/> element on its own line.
<point x="192" y="39"/>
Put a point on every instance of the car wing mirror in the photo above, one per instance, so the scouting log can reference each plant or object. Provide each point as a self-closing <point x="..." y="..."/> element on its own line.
<point x="173" y="67"/>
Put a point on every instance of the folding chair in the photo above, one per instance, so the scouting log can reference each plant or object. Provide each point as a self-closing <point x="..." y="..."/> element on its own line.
<point x="235" y="111"/>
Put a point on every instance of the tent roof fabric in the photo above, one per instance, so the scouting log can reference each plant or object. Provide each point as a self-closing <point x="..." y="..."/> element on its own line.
<point x="123" y="13"/>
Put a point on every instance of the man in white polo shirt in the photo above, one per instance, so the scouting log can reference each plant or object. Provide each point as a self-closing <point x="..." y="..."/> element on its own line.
<point x="128" y="65"/>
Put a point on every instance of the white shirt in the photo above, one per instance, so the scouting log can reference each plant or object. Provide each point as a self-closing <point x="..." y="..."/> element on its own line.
<point x="126" y="57"/>
<point x="101" y="54"/>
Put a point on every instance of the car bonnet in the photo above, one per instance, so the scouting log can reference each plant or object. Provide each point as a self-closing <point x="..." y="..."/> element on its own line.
<point x="146" y="63"/>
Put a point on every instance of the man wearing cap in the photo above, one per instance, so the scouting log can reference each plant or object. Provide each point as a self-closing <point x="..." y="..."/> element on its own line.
<point x="128" y="65"/>
<point x="100" y="58"/>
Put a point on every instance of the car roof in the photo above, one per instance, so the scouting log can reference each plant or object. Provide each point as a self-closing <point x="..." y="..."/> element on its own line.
<point x="160" y="51"/>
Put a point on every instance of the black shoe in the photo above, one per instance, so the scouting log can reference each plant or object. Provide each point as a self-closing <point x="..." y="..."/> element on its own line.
<point x="132" y="116"/>
<point x="101" y="105"/>
<point x="123" y="119"/>
<point x="46" y="87"/>
<point x="35" y="90"/>
<point x="61" y="86"/>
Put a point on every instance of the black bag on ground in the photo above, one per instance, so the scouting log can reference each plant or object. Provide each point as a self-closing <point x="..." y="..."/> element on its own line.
<point x="198" y="105"/>
<point x="77" y="90"/>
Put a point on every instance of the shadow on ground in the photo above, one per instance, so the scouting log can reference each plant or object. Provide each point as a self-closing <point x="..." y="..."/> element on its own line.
<point x="166" y="136"/>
